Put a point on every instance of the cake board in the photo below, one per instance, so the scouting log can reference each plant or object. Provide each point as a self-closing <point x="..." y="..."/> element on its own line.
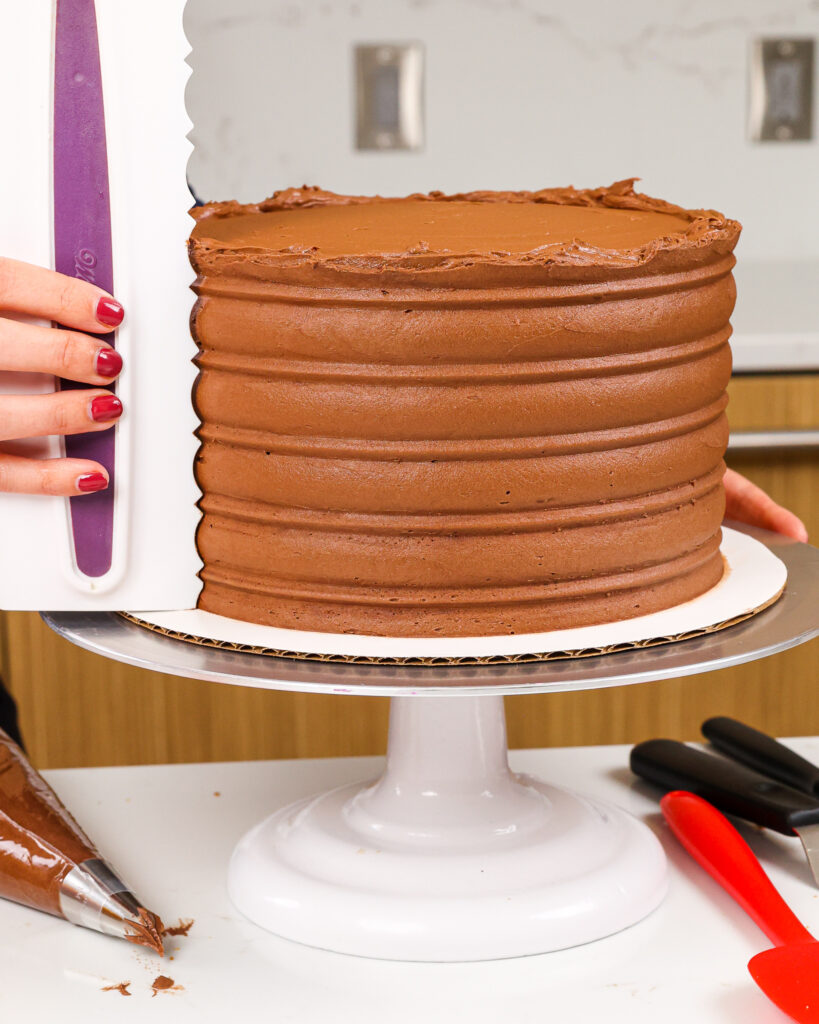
<point x="753" y="578"/>
<point x="449" y="856"/>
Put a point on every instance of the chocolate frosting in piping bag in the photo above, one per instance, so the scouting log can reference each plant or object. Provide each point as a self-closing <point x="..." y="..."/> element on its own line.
<point x="482" y="413"/>
<point x="47" y="862"/>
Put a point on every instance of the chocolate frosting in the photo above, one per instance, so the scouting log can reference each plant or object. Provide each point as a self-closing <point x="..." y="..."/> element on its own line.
<point x="595" y="231"/>
<point x="47" y="862"/>
<point x="415" y="421"/>
<point x="39" y="840"/>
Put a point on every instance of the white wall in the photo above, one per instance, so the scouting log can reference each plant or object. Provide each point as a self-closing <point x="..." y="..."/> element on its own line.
<point x="519" y="94"/>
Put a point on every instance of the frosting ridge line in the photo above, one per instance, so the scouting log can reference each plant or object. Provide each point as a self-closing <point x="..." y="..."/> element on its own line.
<point x="495" y="520"/>
<point x="467" y="449"/>
<point x="403" y="374"/>
<point x="410" y="596"/>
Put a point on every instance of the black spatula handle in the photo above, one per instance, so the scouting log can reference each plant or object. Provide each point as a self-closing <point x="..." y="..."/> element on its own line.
<point x="730" y="787"/>
<point x="762" y="753"/>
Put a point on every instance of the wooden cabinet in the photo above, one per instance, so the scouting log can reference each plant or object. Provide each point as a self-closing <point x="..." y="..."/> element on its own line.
<point x="79" y="709"/>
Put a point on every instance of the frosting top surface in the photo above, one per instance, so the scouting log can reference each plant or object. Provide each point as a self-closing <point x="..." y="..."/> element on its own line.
<point x="392" y="227"/>
<point x="305" y="231"/>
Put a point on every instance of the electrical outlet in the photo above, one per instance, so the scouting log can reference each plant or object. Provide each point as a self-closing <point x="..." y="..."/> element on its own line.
<point x="389" y="83"/>
<point x="781" y="107"/>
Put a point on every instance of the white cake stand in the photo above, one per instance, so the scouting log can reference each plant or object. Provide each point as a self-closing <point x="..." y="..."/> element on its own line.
<point x="449" y="856"/>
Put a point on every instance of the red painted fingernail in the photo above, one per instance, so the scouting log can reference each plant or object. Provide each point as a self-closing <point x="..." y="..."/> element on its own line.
<point x="105" y="407"/>
<point x="92" y="482"/>
<point x="109" y="312"/>
<point x="109" y="362"/>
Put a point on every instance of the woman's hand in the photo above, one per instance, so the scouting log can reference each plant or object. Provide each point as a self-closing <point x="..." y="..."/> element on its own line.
<point x="747" y="503"/>
<point x="62" y="352"/>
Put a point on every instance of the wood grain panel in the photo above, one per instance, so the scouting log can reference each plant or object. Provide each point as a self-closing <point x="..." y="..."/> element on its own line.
<point x="79" y="709"/>
<point x="774" y="402"/>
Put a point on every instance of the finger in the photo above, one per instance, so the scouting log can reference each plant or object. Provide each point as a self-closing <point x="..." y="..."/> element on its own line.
<point x="69" y="301"/>
<point x="64" y="412"/>
<point x="66" y="354"/>
<point x="747" y="503"/>
<point x="783" y="521"/>
<point x="50" y="476"/>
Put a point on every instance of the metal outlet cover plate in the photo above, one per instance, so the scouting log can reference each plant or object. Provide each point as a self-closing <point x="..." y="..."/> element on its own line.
<point x="389" y="96"/>
<point x="781" y="90"/>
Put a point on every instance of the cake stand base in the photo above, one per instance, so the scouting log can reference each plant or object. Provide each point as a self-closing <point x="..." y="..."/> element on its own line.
<point x="449" y="856"/>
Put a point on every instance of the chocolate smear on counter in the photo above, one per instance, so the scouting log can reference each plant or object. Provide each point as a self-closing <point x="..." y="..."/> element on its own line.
<point x="122" y="988"/>
<point x="179" y="929"/>
<point x="47" y="862"/>
<point x="163" y="983"/>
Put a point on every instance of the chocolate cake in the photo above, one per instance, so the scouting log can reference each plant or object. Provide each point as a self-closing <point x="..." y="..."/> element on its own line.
<point x="452" y="415"/>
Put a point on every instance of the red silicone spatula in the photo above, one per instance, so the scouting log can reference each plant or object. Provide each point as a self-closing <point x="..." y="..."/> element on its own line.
<point x="788" y="974"/>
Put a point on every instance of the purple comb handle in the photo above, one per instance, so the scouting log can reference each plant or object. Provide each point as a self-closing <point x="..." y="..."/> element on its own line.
<point x="82" y="241"/>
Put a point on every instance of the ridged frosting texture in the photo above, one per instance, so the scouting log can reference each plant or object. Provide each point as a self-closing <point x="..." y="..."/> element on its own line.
<point x="447" y="436"/>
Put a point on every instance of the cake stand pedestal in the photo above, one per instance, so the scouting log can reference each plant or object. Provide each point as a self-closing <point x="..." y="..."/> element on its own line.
<point x="449" y="856"/>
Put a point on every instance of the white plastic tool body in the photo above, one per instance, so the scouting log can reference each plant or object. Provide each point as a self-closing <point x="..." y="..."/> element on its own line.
<point x="155" y="562"/>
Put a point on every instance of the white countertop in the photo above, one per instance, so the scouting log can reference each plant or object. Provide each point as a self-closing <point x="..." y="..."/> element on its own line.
<point x="171" y="837"/>
<point x="776" y="320"/>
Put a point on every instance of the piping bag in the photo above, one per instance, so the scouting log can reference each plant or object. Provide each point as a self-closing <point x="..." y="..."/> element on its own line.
<point x="49" y="863"/>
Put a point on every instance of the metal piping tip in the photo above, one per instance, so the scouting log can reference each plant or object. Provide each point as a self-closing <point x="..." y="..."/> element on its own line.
<point x="92" y="896"/>
<point x="146" y="931"/>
